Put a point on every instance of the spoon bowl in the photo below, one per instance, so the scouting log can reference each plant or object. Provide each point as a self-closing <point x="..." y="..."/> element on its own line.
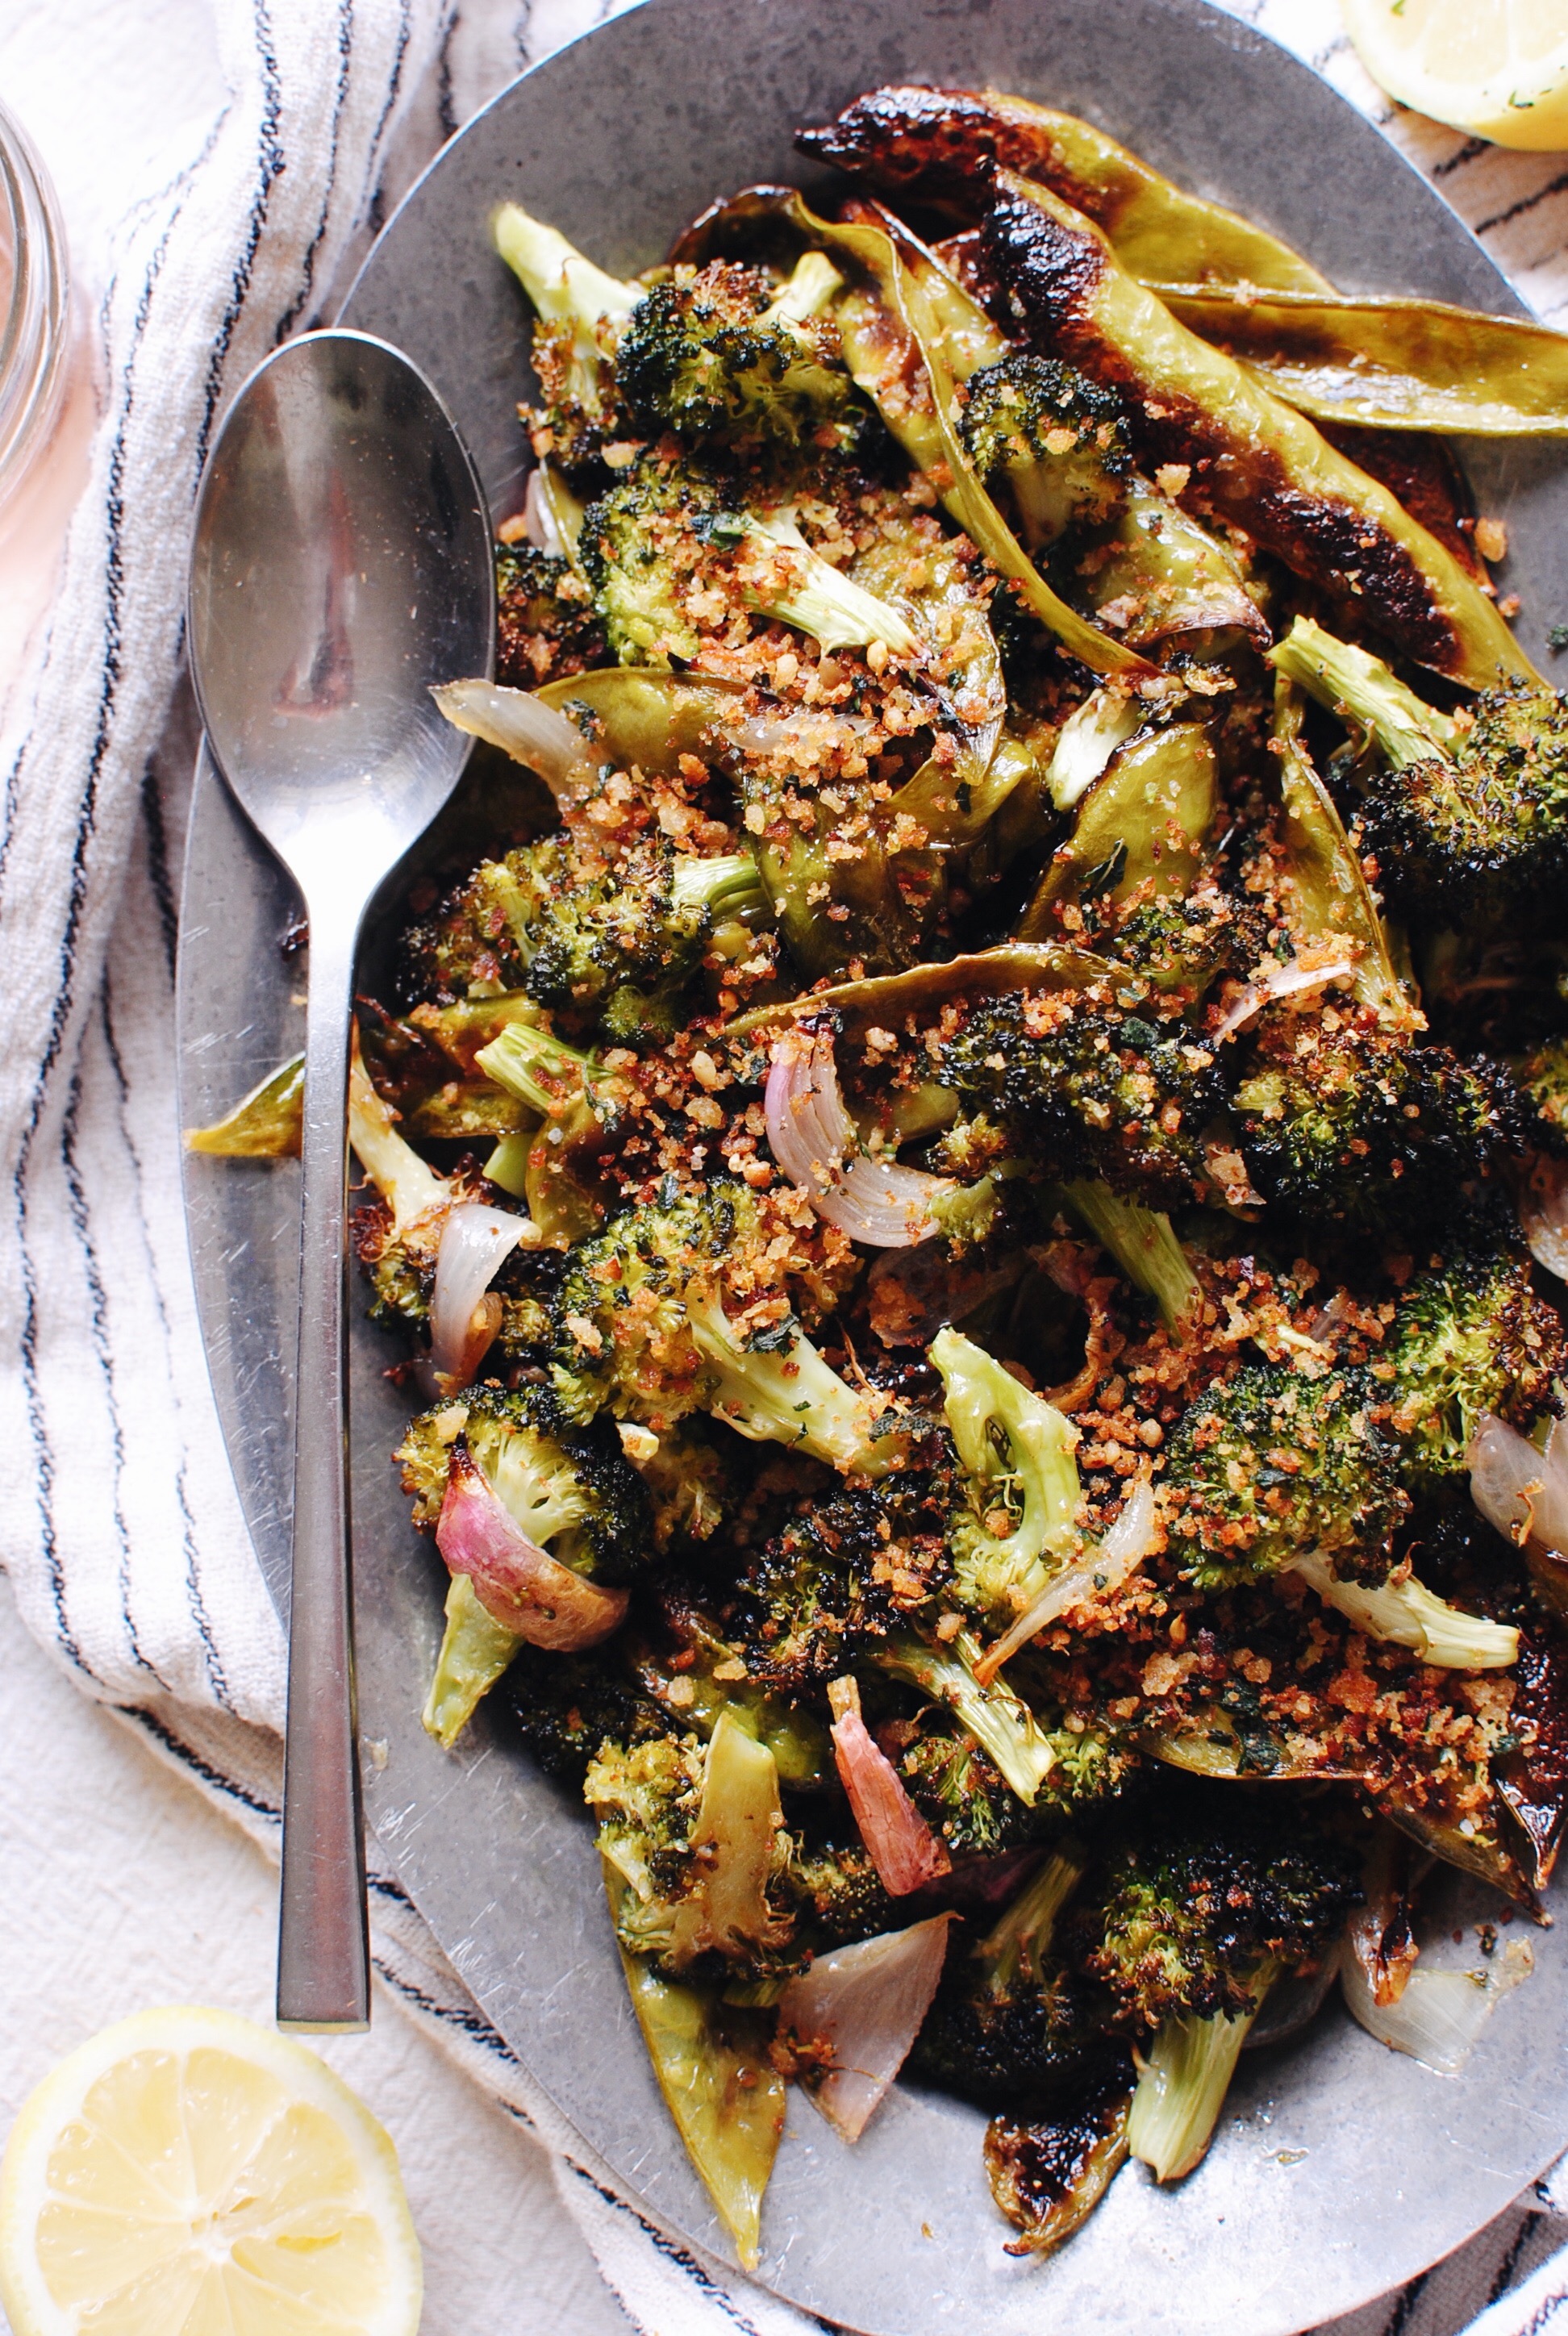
<point x="341" y="567"/>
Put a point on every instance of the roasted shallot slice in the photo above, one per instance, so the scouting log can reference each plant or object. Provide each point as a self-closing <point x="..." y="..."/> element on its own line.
<point x="1520" y="1490"/>
<point x="854" y="2014"/>
<point x="901" y="1845"/>
<point x="464" y="1312"/>
<point x="816" y="1144"/>
<point x="1281" y="981"/>
<point x="526" y="1590"/>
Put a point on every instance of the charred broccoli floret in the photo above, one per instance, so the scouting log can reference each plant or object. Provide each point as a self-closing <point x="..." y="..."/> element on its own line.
<point x="567" y="1706"/>
<point x="644" y="1332"/>
<point x="1345" y="1121"/>
<point x="571" y="1487"/>
<point x="834" y="1581"/>
<point x="666" y="556"/>
<point x="1057" y="439"/>
<point x="722" y="359"/>
<point x="1471" y="1337"/>
<point x="1270" y="1465"/>
<point x="1010" y="2022"/>
<point x="838" y="1894"/>
<point x="581" y="313"/>
<point x="545" y="627"/>
<point x="696" y="1834"/>
<point x="1467" y="812"/>
<point x="1188" y="1924"/>
<point x="1088" y="1089"/>
<point x="1543" y="1081"/>
<point x="611" y="942"/>
<point x="962" y="1795"/>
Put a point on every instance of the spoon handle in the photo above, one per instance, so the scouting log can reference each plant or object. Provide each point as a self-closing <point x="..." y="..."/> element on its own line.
<point x="323" y="1947"/>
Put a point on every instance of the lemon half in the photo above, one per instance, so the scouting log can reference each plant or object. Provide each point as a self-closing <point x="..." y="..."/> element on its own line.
<point x="1497" y="68"/>
<point x="189" y="2174"/>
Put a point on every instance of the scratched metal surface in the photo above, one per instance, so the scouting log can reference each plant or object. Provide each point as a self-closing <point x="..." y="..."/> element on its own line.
<point x="1340" y="2169"/>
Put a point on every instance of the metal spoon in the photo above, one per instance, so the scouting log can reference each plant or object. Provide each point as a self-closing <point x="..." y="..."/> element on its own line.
<point x="341" y="565"/>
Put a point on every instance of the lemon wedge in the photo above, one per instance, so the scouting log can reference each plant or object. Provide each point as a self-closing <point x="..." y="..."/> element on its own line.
<point x="1497" y="68"/>
<point x="189" y="2174"/>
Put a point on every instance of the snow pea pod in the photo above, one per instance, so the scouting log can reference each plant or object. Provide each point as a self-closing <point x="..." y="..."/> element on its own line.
<point x="910" y="335"/>
<point x="942" y="145"/>
<point x="1325" y="866"/>
<point x="1387" y="364"/>
<point x="1144" y="822"/>
<point x="1249" y="459"/>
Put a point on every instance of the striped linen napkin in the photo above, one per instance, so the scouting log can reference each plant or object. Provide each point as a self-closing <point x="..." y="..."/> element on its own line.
<point x="120" y="1530"/>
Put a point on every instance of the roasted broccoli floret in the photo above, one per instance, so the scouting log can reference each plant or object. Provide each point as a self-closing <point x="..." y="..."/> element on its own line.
<point x="611" y="942"/>
<point x="962" y="1795"/>
<point x="1187" y="1924"/>
<point x="1057" y="439"/>
<point x="1346" y="1121"/>
<point x="643" y="1331"/>
<point x="1026" y="1754"/>
<point x="1010" y="2023"/>
<point x="571" y="1487"/>
<point x="1270" y="1465"/>
<point x="696" y="1832"/>
<point x="581" y="313"/>
<point x="1087" y="1089"/>
<point x="838" y="1894"/>
<point x="1471" y="1337"/>
<point x="666" y="557"/>
<point x="1467" y="812"/>
<point x="1542" y="1081"/>
<point x="720" y="358"/>
<point x="567" y="1706"/>
<point x="834" y="1581"/>
<point x="545" y="627"/>
<point x="1017" y="1523"/>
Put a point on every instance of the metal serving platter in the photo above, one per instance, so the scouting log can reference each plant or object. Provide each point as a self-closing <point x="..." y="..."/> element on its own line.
<point x="1339" y="2168"/>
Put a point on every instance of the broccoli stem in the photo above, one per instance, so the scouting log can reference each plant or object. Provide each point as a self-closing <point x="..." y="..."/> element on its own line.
<point x="565" y="287"/>
<point x="789" y="1397"/>
<point x="810" y="290"/>
<point x="508" y="1165"/>
<point x="835" y="610"/>
<point x="1014" y="1446"/>
<point x="1021" y="1939"/>
<point x="1000" y="1724"/>
<point x="1348" y="680"/>
<point x="1142" y="1244"/>
<point x="727" y="887"/>
<point x="1182" y="2084"/>
<point x="263" y="1125"/>
<point x="1408" y="1614"/>
<point x="408" y="1185"/>
<point x="474" y="1651"/>
<point x="541" y="1071"/>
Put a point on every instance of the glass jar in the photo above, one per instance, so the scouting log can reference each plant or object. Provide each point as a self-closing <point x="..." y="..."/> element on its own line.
<point x="34" y="305"/>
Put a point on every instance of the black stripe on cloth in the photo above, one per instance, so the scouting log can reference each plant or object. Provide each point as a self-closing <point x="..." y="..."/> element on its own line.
<point x="1408" y="2297"/>
<point x="213" y="1777"/>
<point x="445" y="112"/>
<point x="98" y="1316"/>
<point x="158" y="870"/>
<point x="1544" y="2313"/>
<point x="1526" y="203"/>
<point x="1504" y="2279"/>
<point x="291" y="315"/>
<point x="375" y="209"/>
<point x="471" y="2023"/>
<point x="1468" y="152"/>
<point x="270" y="162"/>
<point x="674" y="2253"/>
<point x="217" y="1678"/>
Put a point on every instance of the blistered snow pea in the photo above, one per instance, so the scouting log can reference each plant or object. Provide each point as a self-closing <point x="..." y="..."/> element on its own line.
<point x="1144" y="822"/>
<point x="942" y="145"/>
<point x="1248" y="458"/>
<point x="1389" y="364"/>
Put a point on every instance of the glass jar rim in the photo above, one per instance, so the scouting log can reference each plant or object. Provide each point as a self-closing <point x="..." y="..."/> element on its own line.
<point x="35" y="329"/>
